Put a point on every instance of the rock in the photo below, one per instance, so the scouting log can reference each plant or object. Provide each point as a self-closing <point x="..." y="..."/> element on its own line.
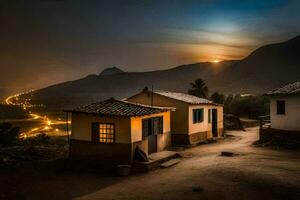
<point x="197" y="189"/>
<point x="228" y="153"/>
<point x="170" y="163"/>
<point x="140" y="155"/>
<point x="124" y="170"/>
<point x="232" y="122"/>
<point x="5" y="160"/>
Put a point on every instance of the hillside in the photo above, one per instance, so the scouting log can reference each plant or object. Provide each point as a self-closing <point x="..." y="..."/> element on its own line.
<point x="265" y="68"/>
<point x="12" y="112"/>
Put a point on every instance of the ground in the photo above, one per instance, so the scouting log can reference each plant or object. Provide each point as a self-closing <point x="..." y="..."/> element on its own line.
<point x="256" y="173"/>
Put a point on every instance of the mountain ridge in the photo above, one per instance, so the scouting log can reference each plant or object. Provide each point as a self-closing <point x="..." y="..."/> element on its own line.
<point x="265" y="68"/>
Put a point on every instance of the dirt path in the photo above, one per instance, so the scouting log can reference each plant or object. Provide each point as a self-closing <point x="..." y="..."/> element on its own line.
<point x="257" y="173"/>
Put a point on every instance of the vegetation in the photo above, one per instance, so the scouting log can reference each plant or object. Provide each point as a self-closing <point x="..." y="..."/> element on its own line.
<point x="247" y="106"/>
<point x="218" y="98"/>
<point x="199" y="88"/>
<point x="8" y="134"/>
<point x="232" y="122"/>
<point x="12" y="112"/>
<point x="40" y="139"/>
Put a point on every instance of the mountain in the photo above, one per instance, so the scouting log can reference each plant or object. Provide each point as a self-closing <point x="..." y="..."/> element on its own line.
<point x="265" y="68"/>
<point x="110" y="71"/>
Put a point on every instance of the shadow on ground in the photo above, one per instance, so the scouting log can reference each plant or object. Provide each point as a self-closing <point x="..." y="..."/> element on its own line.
<point x="59" y="179"/>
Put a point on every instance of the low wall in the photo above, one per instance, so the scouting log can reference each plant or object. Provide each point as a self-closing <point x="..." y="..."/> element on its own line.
<point x="249" y="123"/>
<point x="283" y="138"/>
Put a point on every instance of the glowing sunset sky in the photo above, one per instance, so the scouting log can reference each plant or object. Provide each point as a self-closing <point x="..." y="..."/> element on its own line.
<point x="49" y="41"/>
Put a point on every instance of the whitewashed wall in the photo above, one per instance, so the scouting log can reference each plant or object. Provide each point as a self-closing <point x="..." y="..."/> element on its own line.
<point x="204" y="126"/>
<point x="291" y="119"/>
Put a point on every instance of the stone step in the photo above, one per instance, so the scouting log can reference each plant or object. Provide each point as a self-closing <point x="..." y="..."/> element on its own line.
<point x="155" y="161"/>
<point x="170" y="163"/>
<point x="161" y="156"/>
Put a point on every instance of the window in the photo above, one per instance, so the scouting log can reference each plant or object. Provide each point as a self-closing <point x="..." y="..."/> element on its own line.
<point x="280" y="107"/>
<point x="158" y="125"/>
<point x="145" y="128"/>
<point x="209" y="115"/>
<point x="103" y="132"/>
<point x="197" y="115"/>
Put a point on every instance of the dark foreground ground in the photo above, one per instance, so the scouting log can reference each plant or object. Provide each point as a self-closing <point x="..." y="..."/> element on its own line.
<point x="256" y="173"/>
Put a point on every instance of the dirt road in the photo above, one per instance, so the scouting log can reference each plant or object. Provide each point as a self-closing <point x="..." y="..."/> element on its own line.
<point x="257" y="173"/>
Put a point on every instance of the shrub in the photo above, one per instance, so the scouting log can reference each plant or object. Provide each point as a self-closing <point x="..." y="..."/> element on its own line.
<point x="247" y="106"/>
<point x="12" y="112"/>
<point x="217" y="98"/>
<point x="8" y="134"/>
<point x="42" y="138"/>
<point x="39" y="139"/>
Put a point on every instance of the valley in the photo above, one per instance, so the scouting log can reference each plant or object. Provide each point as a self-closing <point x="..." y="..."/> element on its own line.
<point x="52" y="124"/>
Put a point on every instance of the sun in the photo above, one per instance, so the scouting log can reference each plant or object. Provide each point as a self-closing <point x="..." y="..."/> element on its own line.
<point x="216" y="61"/>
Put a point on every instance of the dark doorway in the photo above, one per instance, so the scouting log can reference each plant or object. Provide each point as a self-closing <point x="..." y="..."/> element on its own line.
<point x="148" y="132"/>
<point x="152" y="144"/>
<point x="214" y="121"/>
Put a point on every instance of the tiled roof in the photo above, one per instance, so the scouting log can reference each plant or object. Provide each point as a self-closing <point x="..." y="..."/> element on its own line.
<point x="112" y="107"/>
<point x="184" y="97"/>
<point x="292" y="88"/>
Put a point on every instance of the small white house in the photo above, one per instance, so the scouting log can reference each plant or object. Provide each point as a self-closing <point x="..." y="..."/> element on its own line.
<point x="285" y="107"/>
<point x="195" y="119"/>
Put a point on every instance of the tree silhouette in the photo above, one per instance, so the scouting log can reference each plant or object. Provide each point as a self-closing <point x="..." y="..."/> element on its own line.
<point x="199" y="88"/>
<point x="8" y="134"/>
<point x="217" y="98"/>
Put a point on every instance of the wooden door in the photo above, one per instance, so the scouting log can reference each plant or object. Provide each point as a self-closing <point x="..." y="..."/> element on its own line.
<point x="214" y="121"/>
<point x="148" y="132"/>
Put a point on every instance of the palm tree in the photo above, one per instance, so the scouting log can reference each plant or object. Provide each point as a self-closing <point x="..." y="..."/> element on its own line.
<point x="199" y="88"/>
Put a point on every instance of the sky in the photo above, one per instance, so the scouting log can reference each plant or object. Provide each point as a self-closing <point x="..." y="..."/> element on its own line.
<point x="43" y="42"/>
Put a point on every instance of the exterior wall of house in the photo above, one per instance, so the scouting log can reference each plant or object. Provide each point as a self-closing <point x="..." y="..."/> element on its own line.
<point x="179" y="118"/>
<point x="136" y="125"/>
<point x="290" y="120"/>
<point x="184" y="132"/>
<point x="220" y="120"/>
<point x="82" y="147"/>
<point x="199" y="132"/>
<point x="199" y="127"/>
<point x="82" y="127"/>
<point x="162" y="140"/>
<point x="102" y="154"/>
